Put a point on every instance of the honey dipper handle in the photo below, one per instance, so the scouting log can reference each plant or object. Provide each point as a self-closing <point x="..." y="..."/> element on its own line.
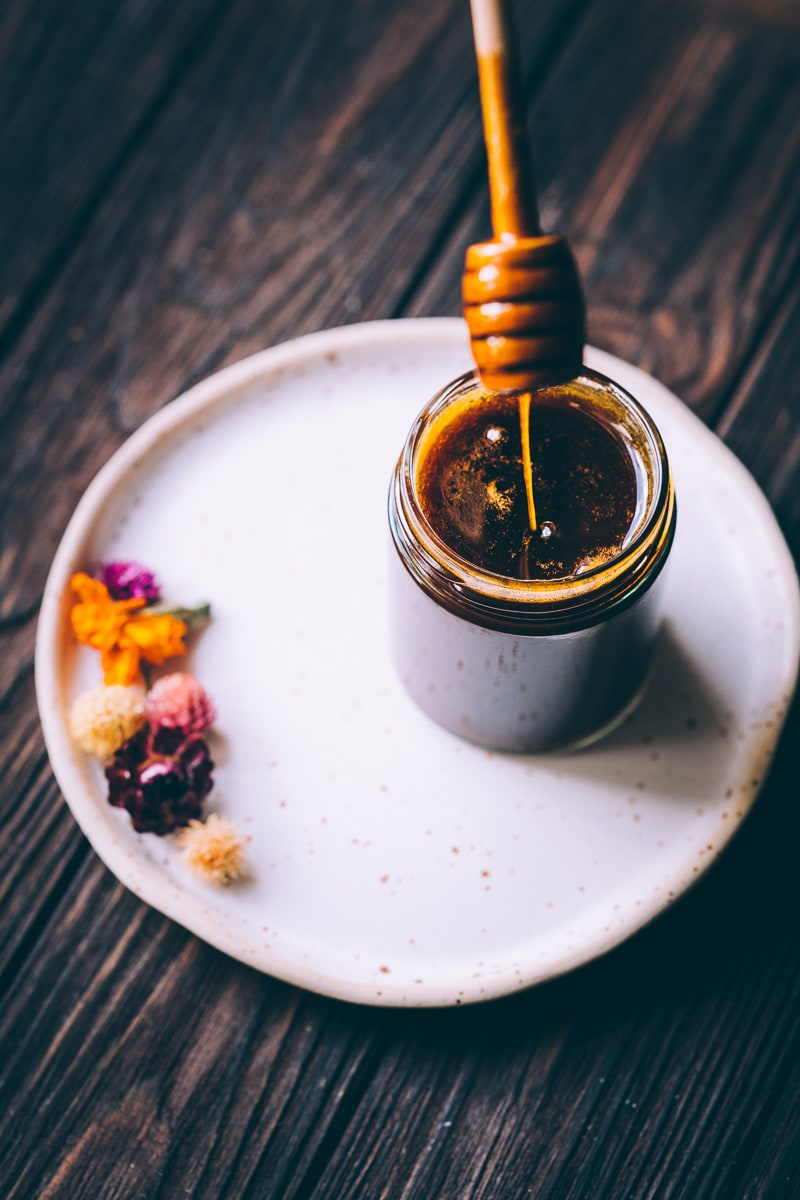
<point x="514" y="208"/>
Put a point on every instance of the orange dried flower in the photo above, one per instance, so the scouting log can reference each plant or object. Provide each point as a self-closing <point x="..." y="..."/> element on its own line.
<point x="120" y="632"/>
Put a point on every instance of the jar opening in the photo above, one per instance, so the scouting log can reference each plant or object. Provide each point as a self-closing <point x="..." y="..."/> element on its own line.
<point x="606" y="500"/>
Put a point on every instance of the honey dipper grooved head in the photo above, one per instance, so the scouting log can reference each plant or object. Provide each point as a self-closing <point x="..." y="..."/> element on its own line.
<point x="524" y="307"/>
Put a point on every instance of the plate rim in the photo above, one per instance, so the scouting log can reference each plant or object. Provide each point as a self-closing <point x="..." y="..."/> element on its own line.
<point x="138" y="872"/>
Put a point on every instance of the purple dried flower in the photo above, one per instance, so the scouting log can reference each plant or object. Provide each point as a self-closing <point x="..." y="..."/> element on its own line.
<point x="128" y="580"/>
<point x="160" y="776"/>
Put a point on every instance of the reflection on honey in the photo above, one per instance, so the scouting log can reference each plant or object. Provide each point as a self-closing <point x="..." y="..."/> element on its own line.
<point x="472" y="490"/>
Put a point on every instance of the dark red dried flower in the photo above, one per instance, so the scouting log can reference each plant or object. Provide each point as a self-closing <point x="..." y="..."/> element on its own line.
<point x="160" y="777"/>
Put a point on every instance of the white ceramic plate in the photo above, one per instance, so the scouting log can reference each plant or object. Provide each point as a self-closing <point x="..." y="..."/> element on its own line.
<point x="391" y="863"/>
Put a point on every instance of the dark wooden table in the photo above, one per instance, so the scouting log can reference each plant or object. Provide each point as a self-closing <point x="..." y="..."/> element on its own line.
<point x="187" y="181"/>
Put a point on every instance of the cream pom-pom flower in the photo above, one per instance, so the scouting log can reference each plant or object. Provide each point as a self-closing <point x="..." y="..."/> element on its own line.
<point x="102" y="719"/>
<point x="214" y="849"/>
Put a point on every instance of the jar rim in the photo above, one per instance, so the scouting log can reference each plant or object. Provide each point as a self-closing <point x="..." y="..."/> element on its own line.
<point x="499" y="599"/>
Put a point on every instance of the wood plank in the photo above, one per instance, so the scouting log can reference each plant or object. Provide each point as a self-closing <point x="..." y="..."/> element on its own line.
<point x="41" y="846"/>
<point x="79" y="86"/>
<point x="111" y="1066"/>
<point x="554" y="1090"/>
<point x="666" y="145"/>
<point x="140" y="1061"/>
<point x="86" y="343"/>
<point x="761" y="424"/>
<point x="657" y="1071"/>
<point x="258" y="209"/>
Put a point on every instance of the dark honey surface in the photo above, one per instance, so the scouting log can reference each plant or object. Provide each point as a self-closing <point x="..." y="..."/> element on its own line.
<point x="472" y="492"/>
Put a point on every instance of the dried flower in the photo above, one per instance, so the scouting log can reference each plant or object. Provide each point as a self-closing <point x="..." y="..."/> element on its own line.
<point x="101" y="720"/>
<point x="214" y="850"/>
<point x="123" y="636"/>
<point x="181" y="702"/>
<point x="126" y="580"/>
<point x="161" y="778"/>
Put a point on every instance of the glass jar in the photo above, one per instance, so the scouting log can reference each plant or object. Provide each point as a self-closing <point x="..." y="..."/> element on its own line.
<point x="529" y="665"/>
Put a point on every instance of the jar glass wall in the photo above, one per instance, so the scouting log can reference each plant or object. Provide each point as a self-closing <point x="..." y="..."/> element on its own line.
<point x="528" y="664"/>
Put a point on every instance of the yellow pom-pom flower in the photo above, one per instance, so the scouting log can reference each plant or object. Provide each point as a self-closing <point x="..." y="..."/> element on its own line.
<point x="101" y="720"/>
<point x="214" y="849"/>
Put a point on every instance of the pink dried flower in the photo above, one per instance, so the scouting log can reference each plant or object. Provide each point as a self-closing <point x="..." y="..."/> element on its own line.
<point x="129" y="580"/>
<point x="179" y="701"/>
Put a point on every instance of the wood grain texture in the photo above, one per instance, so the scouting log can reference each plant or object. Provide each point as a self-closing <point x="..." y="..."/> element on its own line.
<point x="254" y="212"/>
<point x="760" y="423"/>
<point x="666" y="144"/>
<point x="256" y="172"/>
<point x="79" y="87"/>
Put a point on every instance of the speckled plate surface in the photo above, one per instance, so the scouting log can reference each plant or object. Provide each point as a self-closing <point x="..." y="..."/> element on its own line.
<point x="391" y="863"/>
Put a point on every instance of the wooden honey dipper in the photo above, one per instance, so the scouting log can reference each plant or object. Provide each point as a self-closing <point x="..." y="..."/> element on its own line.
<point x="522" y="296"/>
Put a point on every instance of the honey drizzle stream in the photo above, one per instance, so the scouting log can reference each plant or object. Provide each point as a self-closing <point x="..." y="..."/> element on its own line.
<point x="527" y="465"/>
